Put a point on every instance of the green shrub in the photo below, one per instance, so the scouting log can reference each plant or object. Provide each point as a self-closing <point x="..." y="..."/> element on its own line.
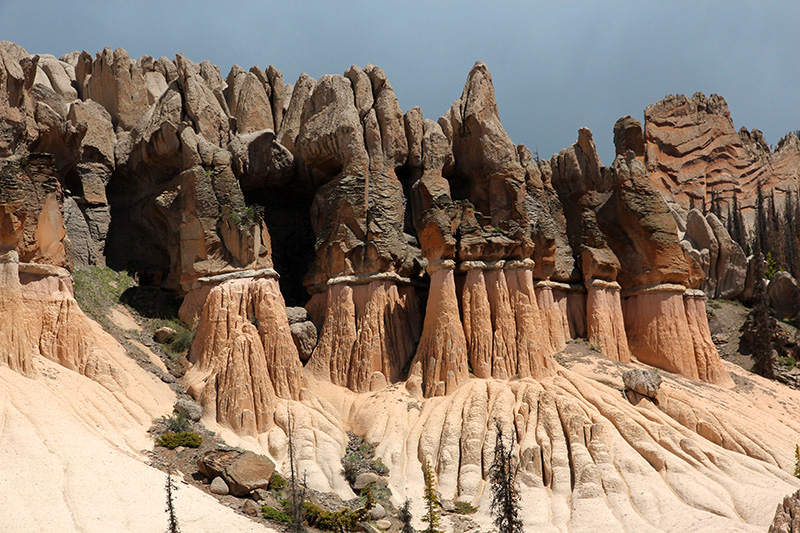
<point x="464" y="508"/>
<point x="339" y="521"/>
<point x="360" y="458"/>
<point x="97" y="289"/>
<point x="177" y="423"/>
<point x="181" y="341"/>
<point x="270" y="513"/>
<point x="796" y="461"/>
<point x="172" y="440"/>
<point x="277" y="482"/>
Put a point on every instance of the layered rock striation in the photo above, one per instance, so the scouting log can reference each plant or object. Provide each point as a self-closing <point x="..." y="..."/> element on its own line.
<point x="442" y="251"/>
<point x="441" y="267"/>
<point x="696" y="157"/>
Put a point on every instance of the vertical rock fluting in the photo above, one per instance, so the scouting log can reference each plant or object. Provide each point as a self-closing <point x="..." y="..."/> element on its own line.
<point x="243" y="355"/>
<point x="582" y="182"/>
<point x="662" y="329"/>
<point x="533" y="353"/>
<point x="440" y="364"/>
<point x="367" y="335"/>
<point x="352" y="136"/>
<point x="553" y="320"/>
<point x="489" y="235"/>
<point x="709" y="364"/>
<point x="39" y="317"/>
<point x="604" y="316"/>
<point x="658" y="329"/>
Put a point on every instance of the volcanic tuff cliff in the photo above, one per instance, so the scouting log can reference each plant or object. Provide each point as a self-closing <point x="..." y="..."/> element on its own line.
<point x="437" y="259"/>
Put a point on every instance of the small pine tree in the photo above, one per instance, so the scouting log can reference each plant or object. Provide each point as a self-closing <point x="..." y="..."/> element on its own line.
<point x="173" y="520"/>
<point x="405" y="517"/>
<point x="432" y="514"/>
<point x="505" y="493"/>
<point x="761" y="324"/>
<point x="796" y="461"/>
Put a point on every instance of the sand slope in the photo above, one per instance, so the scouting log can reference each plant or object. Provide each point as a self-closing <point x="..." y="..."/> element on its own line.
<point x="70" y="457"/>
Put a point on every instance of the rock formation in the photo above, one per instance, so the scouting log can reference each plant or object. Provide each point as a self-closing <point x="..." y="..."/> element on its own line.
<point x="787" y="516"/>
<point x="696" y="158"/>
<point x="176" y="150"/>
<point x="440" y="267"/>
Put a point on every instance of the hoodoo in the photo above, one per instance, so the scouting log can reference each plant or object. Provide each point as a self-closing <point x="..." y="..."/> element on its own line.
<point x="441" y="267"/>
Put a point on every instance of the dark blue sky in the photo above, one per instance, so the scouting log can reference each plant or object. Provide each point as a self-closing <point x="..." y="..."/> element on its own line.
<point x="557" y="66"/>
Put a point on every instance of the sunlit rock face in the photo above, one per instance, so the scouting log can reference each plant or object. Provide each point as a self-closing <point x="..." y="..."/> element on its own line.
<point x="441" y="265"/>
<point x="696" y="158"/>
<point x="429" y="252"/>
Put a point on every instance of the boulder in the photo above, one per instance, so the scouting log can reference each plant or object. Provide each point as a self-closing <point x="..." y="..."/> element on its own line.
<point x="369" y="478"/>
<point x="383" y="524"/>
<point x="242" y="472"/>
<point x="304" y="335"/>
<point x="645" y="382"/>
<point x="377" y="512"/>
<point x="251" y="508"/>
<point x="296" y="314"/>
<point x="189" y="409"/>
<point x="164" y="334"/>
<point x="783" y="295"/>
<point x="218" y="486"/>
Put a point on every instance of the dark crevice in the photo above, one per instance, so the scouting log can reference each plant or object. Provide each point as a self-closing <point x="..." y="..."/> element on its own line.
<point x="287" y="214"/>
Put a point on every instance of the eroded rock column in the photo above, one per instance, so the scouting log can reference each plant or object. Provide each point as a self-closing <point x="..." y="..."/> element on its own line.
<point x="658" y="330"/>
<point x="369" y="332"/>
<point x="244" y="356"/>
<point x="709" y="365"/>
<point x="605" y="324"/>
<point x="440" y="364"/>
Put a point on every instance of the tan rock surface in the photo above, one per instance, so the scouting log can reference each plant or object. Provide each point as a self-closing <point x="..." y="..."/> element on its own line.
<point x="440" y="364"/>
<point x="62" y="432"/>
<point x="687" y="461"/>
<point x="658" y="330"/>
<point x="240" y="368"/>
<point x="694" y="155"/>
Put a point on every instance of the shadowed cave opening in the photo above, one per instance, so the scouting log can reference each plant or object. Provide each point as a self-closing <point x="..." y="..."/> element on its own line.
<point x="287" y="214"/>
<point x="137" y="237"/>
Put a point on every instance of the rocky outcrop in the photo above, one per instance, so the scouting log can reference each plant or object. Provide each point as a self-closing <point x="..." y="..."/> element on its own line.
<point x="581" y="182"/>
<point x="722" y="260"/>
<point x="193" y="164"/>
<point x="368" y="333"/>
<point x="696" y="157"/>
<point x="40" y="318"/>
<point x="243" y="472"/>
<point x="244" y="356"/>
<point x="787" y="515"/>
<point x="783" y="294"/>
<point x="31" y="217"/>
<point x="511" y="257"/>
